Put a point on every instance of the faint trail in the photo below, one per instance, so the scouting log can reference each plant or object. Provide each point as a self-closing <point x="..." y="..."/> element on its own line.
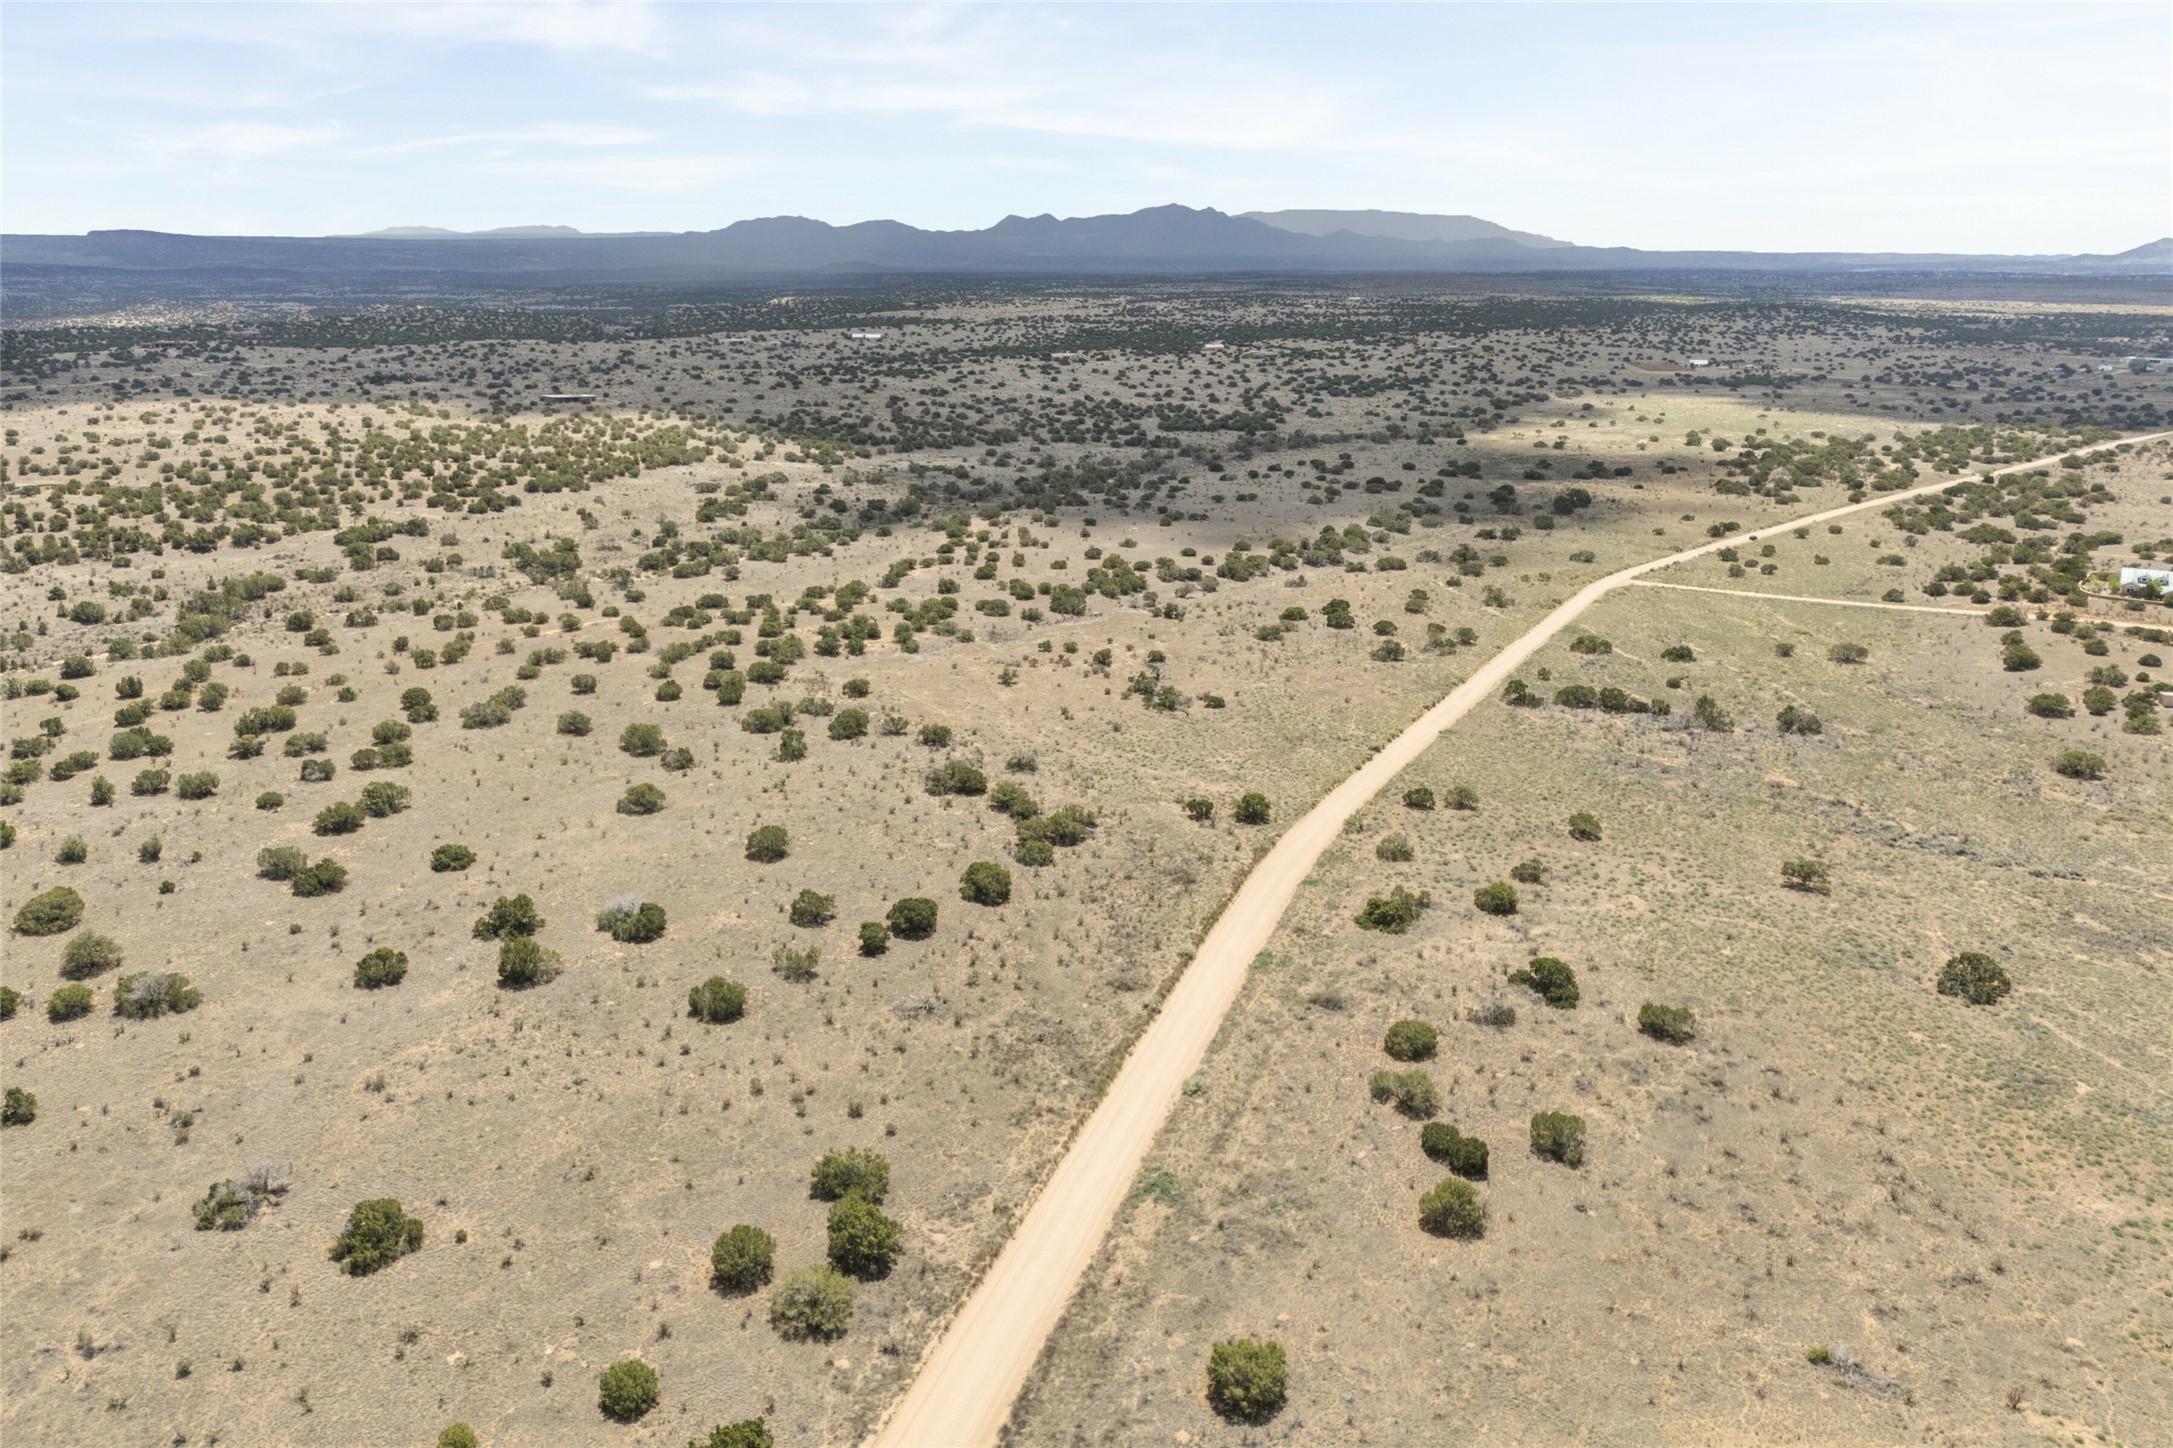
<point x="972" y="1374"/>
<point x="1804" y="598"/>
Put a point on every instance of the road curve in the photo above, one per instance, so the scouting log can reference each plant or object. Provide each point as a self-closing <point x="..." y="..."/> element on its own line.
<point x="969" y="1379"/>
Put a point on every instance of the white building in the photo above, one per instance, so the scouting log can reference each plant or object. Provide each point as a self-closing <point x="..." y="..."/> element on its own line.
<point x="2133" y="579"/>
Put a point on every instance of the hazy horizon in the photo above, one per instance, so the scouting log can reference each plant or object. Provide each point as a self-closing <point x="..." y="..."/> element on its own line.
<point x="1772" y="128"/>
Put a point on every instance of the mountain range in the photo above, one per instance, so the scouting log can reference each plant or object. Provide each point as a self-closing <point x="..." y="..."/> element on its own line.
<point x="1157" y="240"/>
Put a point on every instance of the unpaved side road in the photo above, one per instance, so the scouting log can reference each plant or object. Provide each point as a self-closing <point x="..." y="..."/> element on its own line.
<point x="970" y="1378"/>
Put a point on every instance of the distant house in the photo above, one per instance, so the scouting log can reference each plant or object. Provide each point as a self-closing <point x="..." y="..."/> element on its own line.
<point x="866" y="334"/>
<point x="1701" y="361"/>
<point x="2136" y="580"/>
<point x="569" y="397"/>
<point x="1212" y="346"/>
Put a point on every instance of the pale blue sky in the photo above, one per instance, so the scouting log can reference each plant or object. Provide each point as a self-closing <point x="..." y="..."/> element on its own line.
<point x="1948" y="127"/>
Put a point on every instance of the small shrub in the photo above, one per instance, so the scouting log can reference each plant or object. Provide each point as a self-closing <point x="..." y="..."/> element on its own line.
<point x="1200" y="810"/>
<point x="1673" y="1024"/>
<point x="1418" y="797"/>
<point x="1499" y="898"/>
<point x="325" y="877"/>
<point x="985" y="883"/>
<point x="1252" y="809"/>
<point x="913" y="918"/>
<point x="450" y="859"/>
<point x="811" y="908"/>
<point x="68" y="1003"/>
<point x="382" y="798"/>
<point x="641" y="799"/>
<point x="849" y="724"/>
<point x="1460" y="797"/>
<point x="717" y="1001"/>
<point x="1709" y="713"/>
<point x="1848" y="653"/>
<point x="338" y="819"/>
<point x="851" y="1172"/>
<point x="1559" y="1136"/>
<point x="575" y="723"/>
<point x="380" y="968"/>
<point x="863" y="1241"/>
<point x="19" y="1108"/>
<point x="1528" y="872"/>
<point x="1393" y="848"/>
<point x="2079" y="764"/>
<point x="874" y="937"/>
<point x="746" y="1433"/>
<point x="632" y="921"/>
<point x="1247" y="1380"/>
<point x="626" y="1390"/>
<point x="11" y="1001"/>
<point x="1464" y="1155"/>
<point x="935" y="736"/>
<point x="523" y="962"/>
<point x="1413" y="1092"/>
<point x="796" y="963"/>
<point x="508" y="915"/>
<point x="1811" y="876"/>
<point x="1452" y="1209"/>
<point x="1584" y="825"/>
<point x="2050" y="706"/>
<point x="459" y="1435"/>
<point x="955" y="776"/>
<point x="1411" y="1041"/>
<point x="813" y="1302"/>
<point x="89" y="954"/>
<point x="146" y="995"/>
<point x="740" y="1259"/>
<point x="280" y="862"/>
<point x="1394" y="913"/>
<point x="200" y="785"/>
<point x="378" y="1234"/>
<point x="271" y="799"/>
<point x="1553" y="982"/>
<point x="767" y="844"/>
<point x="149" y="781"/>
<point x="49" y="913"/>
<point x="643" y="741"/>
<point x="1975" y="977"/>
<point x="1793" y="720"/>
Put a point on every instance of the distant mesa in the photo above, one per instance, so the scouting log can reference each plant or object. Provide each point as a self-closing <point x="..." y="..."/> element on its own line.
<point x="1398" y="226"/>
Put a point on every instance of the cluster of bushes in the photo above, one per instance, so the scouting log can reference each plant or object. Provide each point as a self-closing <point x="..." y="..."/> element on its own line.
<point x="49" y="912"/>
<point x="495" y="711"/>
<point x="985" y="883"/>
<point x="1976" y="977"/>
<point x="147" y="995"/>
<point x="1810" y="876"/>
<point x="378" y="1234"/>
<point x="1673" y="1024"/>
<point x="631" y="920"/>
<point x="1452" y="1209"/>
<point x="230" y="1206"/>
<point x="1394" y="913"/>
<point x="1551" y="980"/>
<point x="1464" y="1155"/>
<point x="1559" y="1136"/>
<point x="1247" y="1380"/>
<point x="1413" y="1092"/>
<point x="717" y="1001"/>
<point x="1498" y="898"/>
<point x="1411" y="1041"/>
<point x="307" y="879"/>
<point x="380" y="968"/>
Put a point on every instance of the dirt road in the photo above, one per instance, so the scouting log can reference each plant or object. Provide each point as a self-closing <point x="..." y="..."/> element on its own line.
<point x="969" y="1379"/>
<point x="1807" y="598"/>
